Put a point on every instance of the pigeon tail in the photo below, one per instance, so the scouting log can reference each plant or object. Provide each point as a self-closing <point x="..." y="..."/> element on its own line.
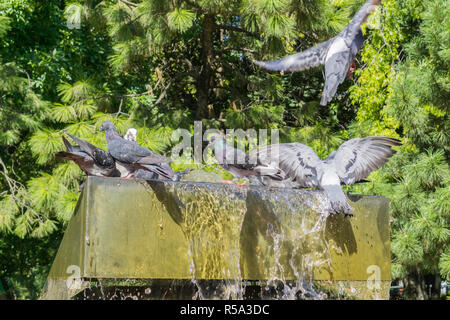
<point x="69" y="146"/>
<point x="337" y="200"/>
<point x="330" y="89"/>
<point x="180" y="174"/>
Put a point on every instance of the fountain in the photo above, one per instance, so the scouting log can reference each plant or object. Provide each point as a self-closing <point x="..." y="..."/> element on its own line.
<point x="137" y="239"/>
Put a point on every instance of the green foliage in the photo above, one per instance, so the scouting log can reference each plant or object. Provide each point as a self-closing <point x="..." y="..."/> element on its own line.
<point x="159" y="65"/>
<point x="404" y="92"/>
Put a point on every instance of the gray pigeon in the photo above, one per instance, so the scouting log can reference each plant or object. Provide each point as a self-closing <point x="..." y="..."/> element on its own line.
<point x="336" y="54"/>
<point x="240" y="165"/>
<point x="352" y="162"/>
<point x="135" y="161"/>
<point x="128" y="152"/>
<point x="92" y="160"/>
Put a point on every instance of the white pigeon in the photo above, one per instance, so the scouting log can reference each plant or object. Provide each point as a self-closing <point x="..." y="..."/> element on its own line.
<point x="131" y="135"/>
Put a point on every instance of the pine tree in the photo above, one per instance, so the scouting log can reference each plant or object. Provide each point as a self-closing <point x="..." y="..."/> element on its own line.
<point x="198" y="50"/>
<point x="159" y="65"/>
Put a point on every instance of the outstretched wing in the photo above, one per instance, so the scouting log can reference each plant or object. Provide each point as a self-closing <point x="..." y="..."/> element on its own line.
<point x="307" y="59"/>
<point x="354" y="27"/>
<point x="357" y="158"/>
<point x="297" y="161"/>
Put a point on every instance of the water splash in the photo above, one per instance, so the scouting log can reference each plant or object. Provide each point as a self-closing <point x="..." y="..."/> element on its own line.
<point x="213" y="226"/>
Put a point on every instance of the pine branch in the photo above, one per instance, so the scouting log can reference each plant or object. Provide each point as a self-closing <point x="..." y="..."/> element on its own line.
<point x="163" y="94"/>
<point x="14" y="187"/>
<point x="194" y="5"/>
<point x="128" y="3"/>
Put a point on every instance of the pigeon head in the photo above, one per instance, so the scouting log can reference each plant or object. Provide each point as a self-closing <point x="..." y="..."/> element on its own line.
<point x="107" y="125"/>
<point x="110" y="131"/>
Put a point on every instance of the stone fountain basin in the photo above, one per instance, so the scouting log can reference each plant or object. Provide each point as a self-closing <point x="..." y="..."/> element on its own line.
<point x="154" y="230"/>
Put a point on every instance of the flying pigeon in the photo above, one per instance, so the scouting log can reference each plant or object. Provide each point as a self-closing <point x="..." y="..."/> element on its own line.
<point x="336" y="54"/>
<point x="92" y="160"/>
<point x="354" y="160"/>
<point x="126" y="151"/>
<point x="131" y="135"/>
<point x="239" y="164"/>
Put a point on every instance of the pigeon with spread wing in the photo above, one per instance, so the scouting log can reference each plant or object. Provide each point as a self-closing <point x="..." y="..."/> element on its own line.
<point x="336" y="54"/>
<point x="352" y="162"/>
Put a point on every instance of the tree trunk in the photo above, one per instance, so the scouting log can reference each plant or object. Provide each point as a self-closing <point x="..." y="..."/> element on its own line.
<point x="206" y="78"/>
<point x="415" y="288"/>
<point x="436" y="289"/>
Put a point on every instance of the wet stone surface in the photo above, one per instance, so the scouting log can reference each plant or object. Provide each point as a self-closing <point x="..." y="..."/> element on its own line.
<point x="191" y="240"/>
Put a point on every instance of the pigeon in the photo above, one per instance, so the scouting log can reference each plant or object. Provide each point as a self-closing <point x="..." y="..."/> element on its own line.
<point x="92" y="160"/>
<point x="241" y="165"/>
<point x="354" y="160"/>
<point x="336" y="54"/>
<point x="128" y="152"/>
<point x="131" y="135"/>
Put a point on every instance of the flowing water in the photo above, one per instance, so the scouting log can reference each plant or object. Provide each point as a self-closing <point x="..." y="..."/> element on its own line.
<point x="223" y="224"/>
<point x="237" y="242"/>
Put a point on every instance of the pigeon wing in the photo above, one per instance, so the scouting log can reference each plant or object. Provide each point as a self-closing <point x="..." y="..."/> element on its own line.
<point x="307" y="59"/>
<point x="164" y="172"/>
<point x="297" y="161"/>
<point x="83" y="160"/>
<point x="237" y="158"/>
<point x="357" y="158"/>
<point x="153" y="159"/>
<point x="100" y="156"/>
<point x="127" y="151"/>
